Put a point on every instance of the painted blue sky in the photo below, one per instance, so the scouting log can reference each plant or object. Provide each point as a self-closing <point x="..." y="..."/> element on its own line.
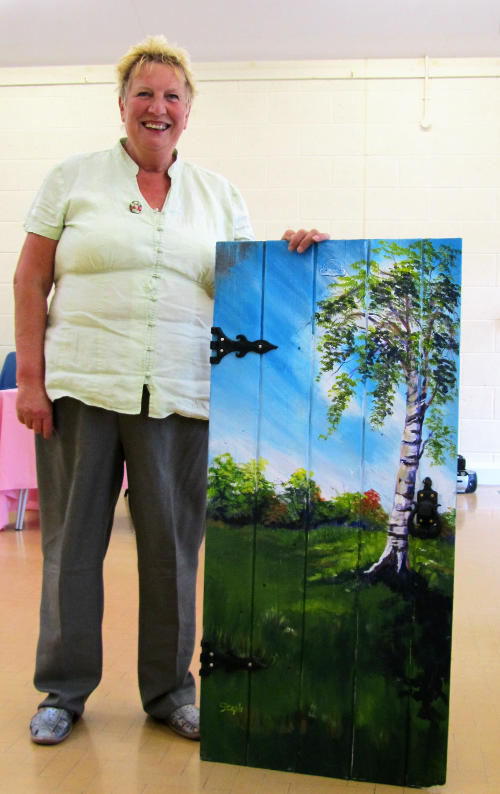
<point x="262" y="290"/>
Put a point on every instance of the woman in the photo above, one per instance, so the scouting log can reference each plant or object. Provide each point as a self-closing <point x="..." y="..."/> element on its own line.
<point x="118" y="371"/>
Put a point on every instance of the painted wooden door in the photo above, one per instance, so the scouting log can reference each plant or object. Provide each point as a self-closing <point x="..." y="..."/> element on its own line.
<point x="330" y="521"/>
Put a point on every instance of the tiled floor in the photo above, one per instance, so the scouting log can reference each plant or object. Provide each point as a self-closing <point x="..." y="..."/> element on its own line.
<point x="116" y="749"/>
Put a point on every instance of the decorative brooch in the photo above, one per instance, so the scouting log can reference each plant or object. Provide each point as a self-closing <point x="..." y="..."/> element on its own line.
<point x="135" y="207"/>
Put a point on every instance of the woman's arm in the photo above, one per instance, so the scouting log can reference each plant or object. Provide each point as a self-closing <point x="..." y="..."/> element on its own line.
<point x="33" y="281"/>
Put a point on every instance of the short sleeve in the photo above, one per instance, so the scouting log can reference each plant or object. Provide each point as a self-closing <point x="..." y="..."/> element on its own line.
<point x="242" y="227"/>
<point x="47" y="212"/>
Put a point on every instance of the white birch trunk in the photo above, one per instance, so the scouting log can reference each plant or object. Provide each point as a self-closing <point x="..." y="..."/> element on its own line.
<point x="395" y="554"/>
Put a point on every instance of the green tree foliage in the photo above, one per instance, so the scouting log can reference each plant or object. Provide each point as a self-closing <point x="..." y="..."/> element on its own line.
<point x="382" y="325"/>
<point x="239" y="493"/>
<point x="301" y="495"/>
<point x="358" y="508"/>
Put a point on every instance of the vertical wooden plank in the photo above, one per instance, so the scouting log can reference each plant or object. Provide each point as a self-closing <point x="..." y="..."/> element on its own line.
<point x="281" y="539"/>
<point x="396" y="650"/>
<point x="330" y="636"/>
<point x="234" y="418"/>
<point x="432" y="557"/>
<point x="384" y="614"/>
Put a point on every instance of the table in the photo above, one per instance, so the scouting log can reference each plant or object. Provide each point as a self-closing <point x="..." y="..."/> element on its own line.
<point x="17" y="461"/>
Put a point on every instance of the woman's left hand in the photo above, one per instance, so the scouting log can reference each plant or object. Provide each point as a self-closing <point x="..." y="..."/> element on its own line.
<point x="301" y="240"/>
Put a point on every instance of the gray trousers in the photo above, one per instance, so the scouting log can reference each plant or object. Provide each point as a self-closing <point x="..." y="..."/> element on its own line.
<point x="80" y="472"/>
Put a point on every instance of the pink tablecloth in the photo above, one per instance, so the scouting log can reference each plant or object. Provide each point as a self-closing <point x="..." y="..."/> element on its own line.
<point x="17" y="458"/>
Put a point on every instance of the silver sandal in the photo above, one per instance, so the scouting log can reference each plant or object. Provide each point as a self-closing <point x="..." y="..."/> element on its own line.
<point x="185" y="721"/>
<point x="51" y="725"/>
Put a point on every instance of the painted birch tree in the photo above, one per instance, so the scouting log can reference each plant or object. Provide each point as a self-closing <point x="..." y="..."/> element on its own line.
<point x="392" y="325"/>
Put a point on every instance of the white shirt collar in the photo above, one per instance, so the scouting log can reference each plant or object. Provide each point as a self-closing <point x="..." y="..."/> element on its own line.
<point x="132" y="166"/>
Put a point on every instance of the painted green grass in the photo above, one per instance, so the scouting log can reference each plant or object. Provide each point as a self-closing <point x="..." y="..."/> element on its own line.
<point x="374" y="656"/>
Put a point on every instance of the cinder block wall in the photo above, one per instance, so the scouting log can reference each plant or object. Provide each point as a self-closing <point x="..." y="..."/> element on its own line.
<point x="338" y="144"/>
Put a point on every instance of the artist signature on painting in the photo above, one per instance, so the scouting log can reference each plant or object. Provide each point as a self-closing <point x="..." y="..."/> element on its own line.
<point x="234" y="710"/>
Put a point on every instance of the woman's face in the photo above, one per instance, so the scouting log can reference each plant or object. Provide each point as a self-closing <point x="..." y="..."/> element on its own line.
<point x="155" y="110"/>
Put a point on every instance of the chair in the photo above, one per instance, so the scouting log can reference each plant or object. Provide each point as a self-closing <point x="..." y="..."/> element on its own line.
<point x="8" y="373"/>
<point x="21" y="507"/>
<point x="8" y="381"/>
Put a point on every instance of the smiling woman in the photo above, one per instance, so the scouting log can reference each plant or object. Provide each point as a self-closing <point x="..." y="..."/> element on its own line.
<point x="119" y="368"/>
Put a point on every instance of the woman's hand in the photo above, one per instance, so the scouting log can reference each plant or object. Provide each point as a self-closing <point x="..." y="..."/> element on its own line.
<point x="300" y="241"/>
<point x="34" y="409"/>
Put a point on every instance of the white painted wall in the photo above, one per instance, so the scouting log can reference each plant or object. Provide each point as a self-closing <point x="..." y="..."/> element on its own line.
<point x="338" y="145"/>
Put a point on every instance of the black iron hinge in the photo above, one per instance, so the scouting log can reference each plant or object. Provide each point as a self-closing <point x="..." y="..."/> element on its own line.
<point x="241" y="346"/>
<point x="211" y="659"/>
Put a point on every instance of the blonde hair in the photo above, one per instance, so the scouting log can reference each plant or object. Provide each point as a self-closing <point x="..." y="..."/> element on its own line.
<point x="154" y="49"/>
